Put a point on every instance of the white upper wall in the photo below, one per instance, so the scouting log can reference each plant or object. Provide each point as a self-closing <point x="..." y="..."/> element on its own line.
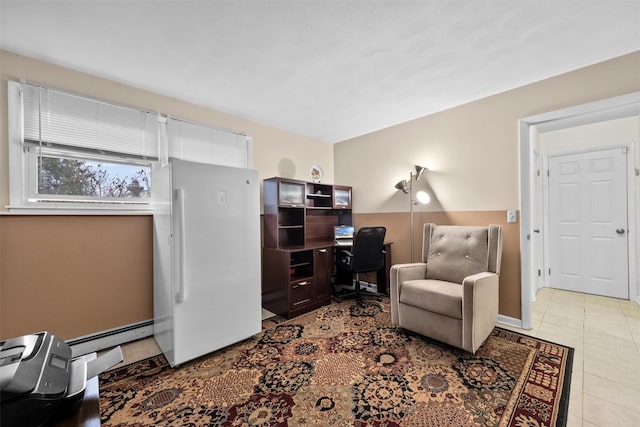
<point x="602" y="134"/>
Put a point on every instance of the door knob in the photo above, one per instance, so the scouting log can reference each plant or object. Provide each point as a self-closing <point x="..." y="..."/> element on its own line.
<point x="620" y="230"/>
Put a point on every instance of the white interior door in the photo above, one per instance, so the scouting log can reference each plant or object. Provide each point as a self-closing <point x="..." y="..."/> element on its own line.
<point x="588" y="223"/>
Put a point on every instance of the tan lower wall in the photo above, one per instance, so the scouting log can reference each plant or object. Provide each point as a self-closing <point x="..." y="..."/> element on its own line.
<point x="74" y="275"/>
<point x="397" y="225"/>
<point x="78" y="275"/>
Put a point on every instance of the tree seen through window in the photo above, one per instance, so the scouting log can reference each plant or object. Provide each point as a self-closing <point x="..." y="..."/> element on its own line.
<point x="74" y="177"/>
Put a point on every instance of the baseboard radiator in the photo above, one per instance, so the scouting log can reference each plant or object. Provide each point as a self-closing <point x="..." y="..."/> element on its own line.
<point x="110" y="338"/>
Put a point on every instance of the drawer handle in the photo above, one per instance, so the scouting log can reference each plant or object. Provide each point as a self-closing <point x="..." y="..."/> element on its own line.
<point x="322" y="251"/>
<point x="303" y="283"/>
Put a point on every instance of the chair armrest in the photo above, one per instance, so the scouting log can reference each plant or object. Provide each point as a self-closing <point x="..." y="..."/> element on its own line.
<point x="401" y="273"/>
<point x="480" y="296"/>
<point x="412" y="271"/>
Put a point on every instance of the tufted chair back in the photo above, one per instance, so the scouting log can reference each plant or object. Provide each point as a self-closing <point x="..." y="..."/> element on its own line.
<point x="454" y="252"/>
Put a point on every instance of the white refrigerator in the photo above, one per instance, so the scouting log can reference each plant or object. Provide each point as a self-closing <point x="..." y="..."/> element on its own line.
<point x="206" y="229"/>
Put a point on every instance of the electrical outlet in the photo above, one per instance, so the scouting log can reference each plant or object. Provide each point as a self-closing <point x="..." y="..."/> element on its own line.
<point x="512" y="217"/>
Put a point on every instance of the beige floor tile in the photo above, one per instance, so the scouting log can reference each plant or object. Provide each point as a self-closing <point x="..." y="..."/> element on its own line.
<point x="603" y="310"/>
<point x="565" y="310"/>
<point x="563" y="323"/>
<point x="141" y="349"/>
<point x="609" y="317"/>
<point x="633" y="324"/>
<point x="604" y="413"/>
<point x="615" y="392"/>
<point x="636" y="339"/>
<point x="623" y="354"/>
<point x="543" y="298"/>
<point x="631" y="314"/>
<point x="544" y="294"/>
<point x="575" y="395"/>
<point x="537" y="316"/>
<point x="578" y="360"/>
<point x="605" y="339"/>
<point x="629" y="305"/>
<point x="539" y="308"/>
<point x="624" y="372"/>
<point x="574" y="298"/>
<point x="266" y="314"/>
<point x="137" y="350"/>
<point x="613" y="329"/>
<point x="596" y="300"/>
<point x="573" y="421"/>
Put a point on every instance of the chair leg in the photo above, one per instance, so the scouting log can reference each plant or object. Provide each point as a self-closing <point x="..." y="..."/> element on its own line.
<point x="358" y="293"/>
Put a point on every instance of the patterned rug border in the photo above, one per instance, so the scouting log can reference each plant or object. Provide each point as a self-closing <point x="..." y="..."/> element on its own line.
<point x="561" y="404"/>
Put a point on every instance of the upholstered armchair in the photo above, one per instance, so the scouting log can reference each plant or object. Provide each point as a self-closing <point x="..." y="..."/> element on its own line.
<point x="452" y="295"/>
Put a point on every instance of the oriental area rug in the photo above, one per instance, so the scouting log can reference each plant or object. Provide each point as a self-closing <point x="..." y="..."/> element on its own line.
<point x="345" y="365"/>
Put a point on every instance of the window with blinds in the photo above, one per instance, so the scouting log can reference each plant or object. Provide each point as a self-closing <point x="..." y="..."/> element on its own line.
<point x="67" y="150"/>
<point x="81" y="149"/>
<point x="62" y="119"/>
<point x="204" y="144"/>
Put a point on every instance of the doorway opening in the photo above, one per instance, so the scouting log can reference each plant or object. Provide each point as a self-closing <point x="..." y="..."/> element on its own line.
<point x="531" y="212"/>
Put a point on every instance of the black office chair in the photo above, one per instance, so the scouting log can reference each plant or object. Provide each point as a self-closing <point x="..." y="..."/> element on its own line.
<point x="366" y="255"/>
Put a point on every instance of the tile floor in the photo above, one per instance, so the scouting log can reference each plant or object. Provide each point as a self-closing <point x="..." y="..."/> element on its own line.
<point x="605" y="333"/>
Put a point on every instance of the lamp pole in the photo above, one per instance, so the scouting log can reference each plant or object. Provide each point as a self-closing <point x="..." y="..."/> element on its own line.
<point x="411" y="237"/>
<point x="422" y="198"/>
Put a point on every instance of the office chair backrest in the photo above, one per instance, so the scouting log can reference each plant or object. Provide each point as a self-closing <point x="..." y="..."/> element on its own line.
<point x="368" y="247"/>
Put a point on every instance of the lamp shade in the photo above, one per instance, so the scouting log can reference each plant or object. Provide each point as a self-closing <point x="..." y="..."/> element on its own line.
<point x="419" y="171"/>
<point x="403" y="185"/>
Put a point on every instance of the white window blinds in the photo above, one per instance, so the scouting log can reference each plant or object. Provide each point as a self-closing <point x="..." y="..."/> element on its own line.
<point x="205" y="144"/>
<point x="56" y="117"/>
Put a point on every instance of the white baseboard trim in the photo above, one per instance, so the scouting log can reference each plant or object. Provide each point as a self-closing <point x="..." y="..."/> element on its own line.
<point x="509" y="321"/>
<point x="110" y="338"/>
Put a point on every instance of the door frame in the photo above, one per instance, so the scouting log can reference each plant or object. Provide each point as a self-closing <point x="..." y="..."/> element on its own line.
<point x="607" y="109"/>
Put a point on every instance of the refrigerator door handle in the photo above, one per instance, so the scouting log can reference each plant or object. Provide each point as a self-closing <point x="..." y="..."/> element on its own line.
<point x="180" y="296"/>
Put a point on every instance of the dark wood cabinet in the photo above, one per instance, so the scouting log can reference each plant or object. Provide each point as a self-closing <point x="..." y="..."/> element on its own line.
<point x="322" y="271"/>
<point x="296" y="281"/>
<point x="297" y="261"/>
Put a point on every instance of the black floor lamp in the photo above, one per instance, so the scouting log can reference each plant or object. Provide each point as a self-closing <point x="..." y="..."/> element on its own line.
<point x="421" y="197"/>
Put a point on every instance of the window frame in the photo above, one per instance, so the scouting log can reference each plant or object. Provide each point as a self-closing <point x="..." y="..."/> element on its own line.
<point x="33" y="169"/>
<point x="24" y="171"/>
<point x="230" y="148"/>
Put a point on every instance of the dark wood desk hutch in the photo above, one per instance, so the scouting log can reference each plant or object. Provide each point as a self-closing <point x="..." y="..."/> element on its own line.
<point x="297" y="256"/>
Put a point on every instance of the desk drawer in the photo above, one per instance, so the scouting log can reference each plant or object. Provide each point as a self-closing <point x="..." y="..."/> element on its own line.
<point x="302" y="292"/>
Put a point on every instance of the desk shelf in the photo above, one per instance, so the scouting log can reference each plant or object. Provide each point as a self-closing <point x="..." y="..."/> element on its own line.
<point x="297" y="255"/>
<point x="297" y="213"/>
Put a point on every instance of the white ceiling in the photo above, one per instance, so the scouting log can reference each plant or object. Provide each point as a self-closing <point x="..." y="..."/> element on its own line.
<point x="331" y="70"/>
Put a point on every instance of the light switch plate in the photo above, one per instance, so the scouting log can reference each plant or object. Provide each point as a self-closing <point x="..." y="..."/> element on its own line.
<point x="512" y="217"/>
